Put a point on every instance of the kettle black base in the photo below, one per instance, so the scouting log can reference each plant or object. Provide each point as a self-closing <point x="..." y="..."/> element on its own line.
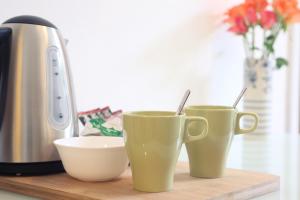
<point x="30" y="169"/>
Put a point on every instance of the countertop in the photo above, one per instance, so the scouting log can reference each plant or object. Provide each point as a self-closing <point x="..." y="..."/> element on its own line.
<point x="277" y="154"/>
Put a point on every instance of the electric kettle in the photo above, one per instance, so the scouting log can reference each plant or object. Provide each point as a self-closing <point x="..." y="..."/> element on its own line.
<point x="37" y="104"/>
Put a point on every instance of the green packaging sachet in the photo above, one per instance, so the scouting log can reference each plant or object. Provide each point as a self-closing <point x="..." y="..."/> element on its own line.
<point x="101" y="122"/>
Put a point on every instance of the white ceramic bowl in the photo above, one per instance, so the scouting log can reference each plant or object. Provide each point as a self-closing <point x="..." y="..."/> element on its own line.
<point x="93" y="158"/>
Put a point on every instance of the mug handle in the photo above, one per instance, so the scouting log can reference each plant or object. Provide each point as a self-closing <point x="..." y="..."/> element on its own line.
<point x="189" y="138"/>
<point x="238" y="129"/>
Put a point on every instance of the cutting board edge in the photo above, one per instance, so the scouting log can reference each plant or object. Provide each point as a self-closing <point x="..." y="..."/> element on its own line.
<point x="25" y="187"/>
<point x="256" y="191"/>
<point x="39" y="191"/>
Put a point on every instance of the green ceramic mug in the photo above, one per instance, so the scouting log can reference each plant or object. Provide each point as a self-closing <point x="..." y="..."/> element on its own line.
<point x="153" y="141"/>
<point x="207" y="158"/>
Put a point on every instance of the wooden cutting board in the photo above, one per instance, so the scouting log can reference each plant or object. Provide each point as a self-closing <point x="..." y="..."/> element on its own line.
<point x="236" y="184"/>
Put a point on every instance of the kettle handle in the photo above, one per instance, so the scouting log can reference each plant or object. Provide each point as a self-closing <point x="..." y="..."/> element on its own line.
<point x="5" y="46"/>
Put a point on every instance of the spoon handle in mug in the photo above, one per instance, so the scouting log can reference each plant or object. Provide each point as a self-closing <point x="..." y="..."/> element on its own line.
<point x="183" y="101"/>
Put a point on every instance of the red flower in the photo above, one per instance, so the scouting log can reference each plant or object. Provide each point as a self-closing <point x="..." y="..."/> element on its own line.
<point x="239" y="27"/>
<point x="236" y="19"/>
<point x="268" y="19"/>
<point x="251" y="16"/>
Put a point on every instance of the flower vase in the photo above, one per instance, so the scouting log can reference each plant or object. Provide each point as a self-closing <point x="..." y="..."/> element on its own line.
<point x="258" y="98"/>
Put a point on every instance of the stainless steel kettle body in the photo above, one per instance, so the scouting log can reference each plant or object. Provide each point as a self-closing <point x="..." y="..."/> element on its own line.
<point x="37" y="102"/>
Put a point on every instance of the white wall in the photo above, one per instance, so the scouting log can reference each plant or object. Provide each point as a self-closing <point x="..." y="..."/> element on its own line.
<point x="139" y="54"/>
<point x="132" y="54"/>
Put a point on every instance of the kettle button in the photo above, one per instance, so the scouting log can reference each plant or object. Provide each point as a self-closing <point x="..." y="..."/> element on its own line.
<point x="53" y="57"/>
<point x="54" y="62"/>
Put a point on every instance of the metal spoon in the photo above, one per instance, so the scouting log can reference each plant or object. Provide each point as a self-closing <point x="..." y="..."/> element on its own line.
<point x="239" y="97"/>
<point x="183" y="101"/>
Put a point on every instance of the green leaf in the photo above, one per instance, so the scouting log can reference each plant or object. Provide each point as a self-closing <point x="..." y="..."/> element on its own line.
<point x="254" y="48"/>
<point x="284" y="26"/>
<point x="269" y="47"/>
<point x="269" y="42"/>
<point x="282" y="21"/>
<point x="280" y="62"/>
<point x="270" y="38"/>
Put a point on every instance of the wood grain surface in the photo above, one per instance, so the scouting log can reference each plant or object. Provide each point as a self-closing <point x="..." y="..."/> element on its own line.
<point x="236" y="184"/>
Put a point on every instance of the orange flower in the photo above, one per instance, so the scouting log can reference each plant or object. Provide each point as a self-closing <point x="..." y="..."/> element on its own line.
<point x="288" y="10"/>
<point x="258" y="5"/>
<point x="268" y="19"/>
<point x="242" y="12"/>
<point x="236" y="11"/>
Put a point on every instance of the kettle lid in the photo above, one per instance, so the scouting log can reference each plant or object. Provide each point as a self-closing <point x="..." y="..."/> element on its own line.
<point x="28" y="19"/>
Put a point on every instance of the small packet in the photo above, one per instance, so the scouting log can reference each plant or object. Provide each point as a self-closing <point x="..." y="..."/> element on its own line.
<point x="101" y="122"/>
<point x="113" y="125"/>
<point x="106" y="112"/>
<point x="86" y="116"/>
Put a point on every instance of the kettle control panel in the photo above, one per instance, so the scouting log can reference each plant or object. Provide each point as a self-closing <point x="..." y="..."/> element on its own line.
<point x="58" y="92"/>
